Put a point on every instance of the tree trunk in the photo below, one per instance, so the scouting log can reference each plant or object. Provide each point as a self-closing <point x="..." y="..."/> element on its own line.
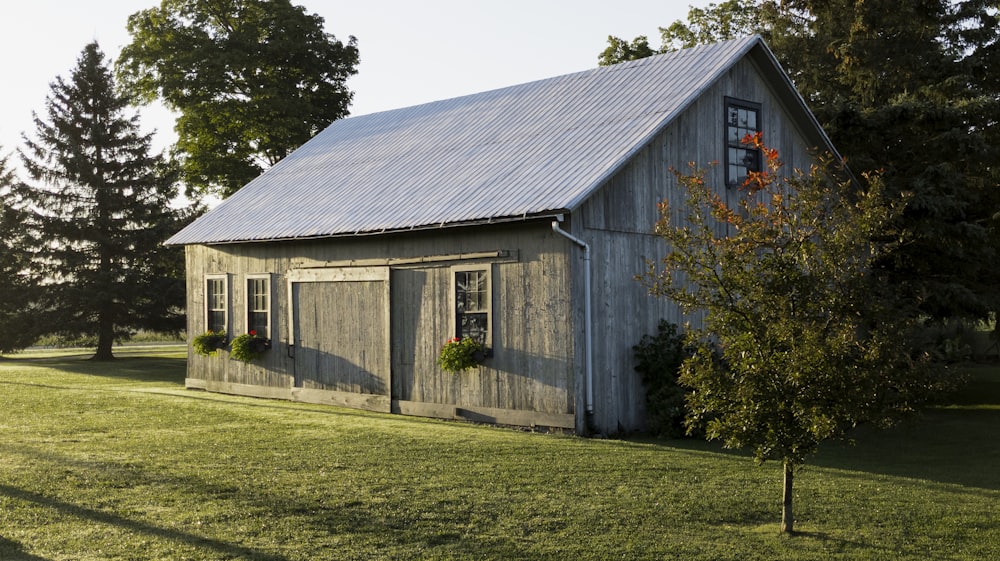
<point x="786" y="501"/>
<point x="105" y="339"/>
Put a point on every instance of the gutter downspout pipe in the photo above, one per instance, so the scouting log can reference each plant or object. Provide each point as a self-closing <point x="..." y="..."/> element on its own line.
<point x="588" y="324"/>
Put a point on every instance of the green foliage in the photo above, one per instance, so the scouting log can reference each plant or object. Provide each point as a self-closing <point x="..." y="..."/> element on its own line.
<point x="62" y="340"/>
<point x="909" y="88"/>
<point x="95" y="213"/>
<point x="906" y="87"/>
<point x="803" y="339"/>
<point x="620" y="50"/>
<point x="248" y="347"/>
<point x="251" y="80"/>
<point x="209" y="343"/>
<point x="458" y="355"/>
<point x="716" y="22"/>
<point x="18" y="314"/>
<point x="658" y="362"/>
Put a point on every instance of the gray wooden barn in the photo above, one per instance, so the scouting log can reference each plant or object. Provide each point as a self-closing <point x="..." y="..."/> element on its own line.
<point x="519" y="216"/>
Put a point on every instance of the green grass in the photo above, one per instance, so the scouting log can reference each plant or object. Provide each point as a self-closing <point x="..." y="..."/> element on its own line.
<point x="119" y="461"/>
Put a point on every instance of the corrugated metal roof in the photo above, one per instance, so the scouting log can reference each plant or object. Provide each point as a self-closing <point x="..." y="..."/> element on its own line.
<point x="521" y="151"/>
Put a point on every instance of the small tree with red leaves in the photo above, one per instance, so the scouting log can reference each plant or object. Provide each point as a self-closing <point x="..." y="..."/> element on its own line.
<point x="802" y="340"/>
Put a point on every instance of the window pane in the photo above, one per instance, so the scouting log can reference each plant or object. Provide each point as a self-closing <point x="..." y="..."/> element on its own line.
<point x="258" y="316"/>
<point x="470" y="291"/>
<point x="259" y="323"/>
<point x="474" y="326"/>
<point x="472" y="305"/>
<point x="217" y="320"/>
<point x="741" y="121"/>
<point x="215" y="304"/>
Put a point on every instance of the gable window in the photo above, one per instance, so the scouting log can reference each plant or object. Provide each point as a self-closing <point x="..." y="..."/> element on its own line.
<point x="216" y="303"/>
<point x="742" y="118"/>
<point x="473" y="303"/>
<point x="259" y="305"/>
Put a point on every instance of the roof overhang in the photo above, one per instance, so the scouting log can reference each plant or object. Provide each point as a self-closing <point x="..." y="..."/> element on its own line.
<point x="547" y="215"/>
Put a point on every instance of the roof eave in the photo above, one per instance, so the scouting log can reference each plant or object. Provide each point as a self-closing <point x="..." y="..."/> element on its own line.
<point x="526" y="217"/>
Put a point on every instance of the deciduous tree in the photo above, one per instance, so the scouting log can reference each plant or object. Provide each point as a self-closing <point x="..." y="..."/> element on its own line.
<point x="251" y="81"/>
<point x="802" y="340"/>
<point x="96" y="209"/>
<point x="716" y="22"/>
<point x="620" y="50"/>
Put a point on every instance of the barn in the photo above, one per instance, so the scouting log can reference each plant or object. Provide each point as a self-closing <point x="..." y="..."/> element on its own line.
<point x="518" y="216"/>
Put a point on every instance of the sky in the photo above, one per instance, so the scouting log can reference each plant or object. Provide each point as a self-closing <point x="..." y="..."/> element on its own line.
<point x="412" y="51"/>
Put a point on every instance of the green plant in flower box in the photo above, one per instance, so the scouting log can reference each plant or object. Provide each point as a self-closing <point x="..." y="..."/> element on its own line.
<point x="461" y="353"/>
<point x="209" y="342"/>
<point x="249" y="346"/>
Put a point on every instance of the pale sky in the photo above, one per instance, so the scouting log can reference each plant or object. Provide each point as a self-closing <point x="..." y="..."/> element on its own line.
<point x="411" y="51"/>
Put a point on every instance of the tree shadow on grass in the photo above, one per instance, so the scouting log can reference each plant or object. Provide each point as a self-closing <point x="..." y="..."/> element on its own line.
<point x="370" y="526"/>
<point x="949" y="444"/>
<point x="101" y="517"/>
<point x="13" y="551"/>
<point x="132" y="368"/>
<point x="952" y="446"/>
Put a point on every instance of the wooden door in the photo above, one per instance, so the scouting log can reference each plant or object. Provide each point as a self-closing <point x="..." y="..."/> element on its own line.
<point x="340" y="329"/>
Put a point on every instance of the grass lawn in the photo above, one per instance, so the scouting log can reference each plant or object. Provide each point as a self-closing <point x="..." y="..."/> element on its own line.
<point x="119" y="461"/>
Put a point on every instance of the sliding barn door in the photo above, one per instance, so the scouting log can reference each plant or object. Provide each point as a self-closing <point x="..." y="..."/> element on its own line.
<point x="340" y="329"/>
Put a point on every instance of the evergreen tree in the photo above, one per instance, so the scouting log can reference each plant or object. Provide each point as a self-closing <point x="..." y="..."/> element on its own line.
<point x="17" y="318"/>
<point x="96" y="211"/>
<point x="909" y="88"/>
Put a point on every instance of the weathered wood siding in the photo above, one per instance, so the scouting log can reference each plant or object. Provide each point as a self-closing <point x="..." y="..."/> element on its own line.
<point x="618" y="223"/>
<point x="341" y="337"/>
<point x="531" y="379"/>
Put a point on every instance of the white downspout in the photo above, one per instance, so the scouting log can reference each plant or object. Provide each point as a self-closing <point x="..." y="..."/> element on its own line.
<point x="588" y="326"/>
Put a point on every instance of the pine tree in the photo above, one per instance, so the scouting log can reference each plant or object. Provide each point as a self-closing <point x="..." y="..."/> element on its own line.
<point x="17" y="322"/>
<point x="97" y="209"/>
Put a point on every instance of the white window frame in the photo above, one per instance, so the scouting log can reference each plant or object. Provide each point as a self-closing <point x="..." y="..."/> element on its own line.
<point x="268" y="305"/>
<point x="226" y="293"/>
<point x="453" y="297"/>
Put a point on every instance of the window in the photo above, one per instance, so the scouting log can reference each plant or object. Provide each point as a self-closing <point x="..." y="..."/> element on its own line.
<point x="473" y="309"/>
<point x="742" y="118"/>
<point x="216" y="304"/>
<point x="259" y="305"/>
